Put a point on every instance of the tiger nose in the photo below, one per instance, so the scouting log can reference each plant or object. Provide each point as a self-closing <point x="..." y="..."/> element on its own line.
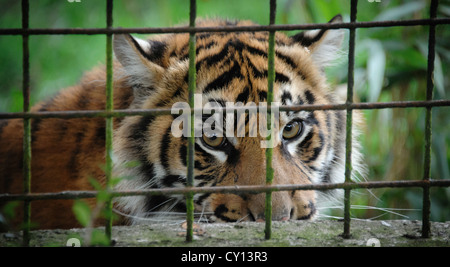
<point x="281" y="206"/>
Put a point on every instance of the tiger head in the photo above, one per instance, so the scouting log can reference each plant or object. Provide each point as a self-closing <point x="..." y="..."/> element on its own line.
<point x="231" y="67"/>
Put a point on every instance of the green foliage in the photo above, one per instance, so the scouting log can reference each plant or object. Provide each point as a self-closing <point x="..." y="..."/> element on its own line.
<point x="87" y="216"/>
<point x="391" y="65"/>
<point x="82" y="212"/>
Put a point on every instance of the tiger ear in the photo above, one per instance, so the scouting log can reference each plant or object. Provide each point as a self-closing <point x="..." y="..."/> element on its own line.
<point x="139" y="58"/>
<point x="323" y="44"/>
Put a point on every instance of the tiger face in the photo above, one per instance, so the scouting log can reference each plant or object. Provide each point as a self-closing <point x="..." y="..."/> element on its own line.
<point x="231" y="68"/>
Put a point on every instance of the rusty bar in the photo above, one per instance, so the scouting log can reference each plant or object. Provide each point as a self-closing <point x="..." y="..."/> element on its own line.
<point x="269" y="150"/>
<point x="26" y="124"/>
<point x="186" y="29"/>
<point x="109" y="121"/>
<point x="191" y="139"/>
<point x="227" y="189"/>
<point x="349" y="123"/>
<point x="426" y="208"/>
<point x="166" y="111"/>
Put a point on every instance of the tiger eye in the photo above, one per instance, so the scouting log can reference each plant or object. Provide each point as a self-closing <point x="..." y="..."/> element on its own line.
<point x="213" y="141"/>
<point x="292" y="130"/>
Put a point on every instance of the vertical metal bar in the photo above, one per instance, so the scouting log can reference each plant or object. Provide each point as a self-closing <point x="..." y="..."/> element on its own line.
<point x="26" y="124"/>
<point x="109" y="121"/>
<point x="426" y="228"/>
<point x="348" y="142"/>
<point x="191" y="138"/>
<point x="269" y="150"/>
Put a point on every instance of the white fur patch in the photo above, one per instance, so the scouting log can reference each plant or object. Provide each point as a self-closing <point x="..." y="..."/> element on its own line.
<point x="328" y="49"/>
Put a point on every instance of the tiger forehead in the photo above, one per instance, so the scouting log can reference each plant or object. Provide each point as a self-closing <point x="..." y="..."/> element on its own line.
<point x="230" y="66"/>
<point x="208" y="42"/>
<point x="208" y="39"/>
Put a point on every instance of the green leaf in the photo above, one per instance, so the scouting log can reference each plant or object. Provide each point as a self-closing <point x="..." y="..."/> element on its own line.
<point x="376" y="66"/>
<point x="99" y="238"/>
<point x="82" y="212"/>
<point x="401" y="11"/>
<point x="9" y="209"/>
<point x="439" y="76"/>
<point x="95" y="183"/>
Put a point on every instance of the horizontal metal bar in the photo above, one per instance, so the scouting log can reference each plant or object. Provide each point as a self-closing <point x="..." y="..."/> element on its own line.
<point x="186" y="29"/>
<point x="226" y="190"/>
<point x="167" y="111"/>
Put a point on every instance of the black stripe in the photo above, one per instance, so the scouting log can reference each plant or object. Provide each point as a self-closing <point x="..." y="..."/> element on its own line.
<point x="200" y="150"/>
<point x="205" y="177"/>
<point x="202" y="198"/>
<point x="164" y="149"/>
<point x="205" y="46"/>
<point x="169" y="180"/>
<point x="299" y="101"/>
<point x="154" y="201"/>
<point x="307" y="139"/>
<point x="82" y="103"/>
<point x="233" y="154"/>
<point x="220" y="210"/>
<point x="100" y="132"/>
<point x="72" y="165"/>
<point x="157" y="50"/>
<point x="256" y="73"/>
<point x="139" y="130"/>
<point x="138" y="139"/>
<point x="326" y="177"/>
<point x="183" y="153"/>
<point x="316" y="150"/>
<point x="287" y="60"/>
<point x="146" y="169"/>
<point x="213" y="59"/>
<point x="281" y="78"/>
<point x="308" y="40"/>
<point x="285" y="97"/>
<point x="262" y="95"/>
<point x="199" y="166"/>
<point x="221" y="103"/>
<point x="3" y="123"/>
<point x="310" y="99"/>
<point x="35" y="123"/>
<point x="256" y="51"/>
<point x="224" y="79"/>
<point x="311" y="119"/>
<point x="243" y="96"/>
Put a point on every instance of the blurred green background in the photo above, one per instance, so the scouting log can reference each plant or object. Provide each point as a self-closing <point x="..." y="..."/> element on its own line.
<point x="390" y="66"/>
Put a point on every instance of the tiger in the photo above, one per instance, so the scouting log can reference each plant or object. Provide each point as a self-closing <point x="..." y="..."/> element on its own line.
<point x="309" y="146"/>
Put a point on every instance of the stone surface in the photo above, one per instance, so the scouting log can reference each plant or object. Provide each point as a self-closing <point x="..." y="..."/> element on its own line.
<point x="292" y="233"/>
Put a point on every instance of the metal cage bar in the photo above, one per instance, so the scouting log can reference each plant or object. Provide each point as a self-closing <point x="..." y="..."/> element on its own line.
<point x="191" y="139"/>
<point x="426" y="231"/>
<point x="269" y="150"/>
<point x="226" y="189"/>
<point x="165" y="111"/>
<point x="187" y="29"/>
<point x="26" y="123"/>
<point x="109" y="114"/>
<point x="349" y="122"/>
<point x="109" y="121"/>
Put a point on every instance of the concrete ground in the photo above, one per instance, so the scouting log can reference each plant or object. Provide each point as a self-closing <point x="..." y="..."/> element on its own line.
<point x="247" y="234"/>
